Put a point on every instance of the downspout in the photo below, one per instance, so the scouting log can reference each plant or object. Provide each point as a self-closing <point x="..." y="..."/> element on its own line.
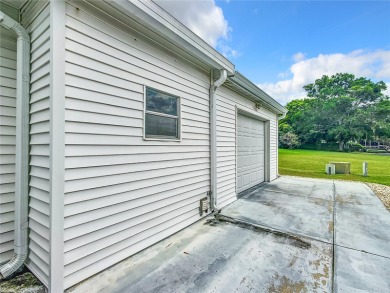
<point x="213" y="137"/>
<point x="22" y="142"/>
<point x="282" y="116"/>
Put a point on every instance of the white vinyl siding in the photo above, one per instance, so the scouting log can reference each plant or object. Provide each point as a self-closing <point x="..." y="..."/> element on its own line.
<point x="35" y="19"/>
<point x="227" y="100"/>
<point x="122" y="193"/>
<point x="7" y="136"/>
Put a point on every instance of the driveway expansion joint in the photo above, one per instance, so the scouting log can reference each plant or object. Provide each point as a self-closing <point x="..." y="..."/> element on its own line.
<point x="293" y="194"/>
<point x="360" y="250"/>
<point x="248" y="225"/>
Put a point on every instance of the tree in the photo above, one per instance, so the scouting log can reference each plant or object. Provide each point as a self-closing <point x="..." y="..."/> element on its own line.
<point x="374" y="121"/>
<point x="339" y="109"/>
<point x="378" y="119"/>
<point x="337" y="102"/>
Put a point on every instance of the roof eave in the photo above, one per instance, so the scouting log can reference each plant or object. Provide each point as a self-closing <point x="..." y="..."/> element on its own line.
<point x="242" y="82"/>
<point x="153" y="17"/>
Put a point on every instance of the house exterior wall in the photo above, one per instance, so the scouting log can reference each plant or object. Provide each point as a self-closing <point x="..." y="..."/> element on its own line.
<point x="35" y="18"/>
<point x="227" y="101"/>
<point x="7" y="136"/>
<point x="122" y="193"/>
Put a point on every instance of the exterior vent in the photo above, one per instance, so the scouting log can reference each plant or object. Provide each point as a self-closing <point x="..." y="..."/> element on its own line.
<point x="203" y="206"/>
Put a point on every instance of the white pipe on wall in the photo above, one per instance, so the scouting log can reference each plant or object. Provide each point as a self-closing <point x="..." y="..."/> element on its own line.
<point x="22" y="142"/>
<point x="282" y="116"/>
<point x="213" y="137"/>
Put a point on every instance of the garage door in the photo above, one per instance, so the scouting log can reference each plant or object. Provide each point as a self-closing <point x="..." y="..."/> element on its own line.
<point x="250" y="152"/>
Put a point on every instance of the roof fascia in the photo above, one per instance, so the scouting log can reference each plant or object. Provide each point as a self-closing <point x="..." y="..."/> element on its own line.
<point x="241" y="81"/>
<point x="151" y="16"/>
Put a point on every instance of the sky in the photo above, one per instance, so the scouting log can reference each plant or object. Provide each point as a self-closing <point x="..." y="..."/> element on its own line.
<point x="283" y="45"/>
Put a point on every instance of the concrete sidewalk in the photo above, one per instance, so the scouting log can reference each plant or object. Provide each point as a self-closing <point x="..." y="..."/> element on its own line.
<point x="291" y="235"/>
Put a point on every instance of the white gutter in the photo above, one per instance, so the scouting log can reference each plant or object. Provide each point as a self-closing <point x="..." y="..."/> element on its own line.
<point x="241" y="81"/>
<point x="213" y="137"/>
<point x="282" y="116"/>
<point x="22" y="141"/>
<point x="167" y="31"/>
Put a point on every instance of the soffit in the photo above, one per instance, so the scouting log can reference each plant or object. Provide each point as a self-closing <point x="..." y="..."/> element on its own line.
<point x="15" y="3"/>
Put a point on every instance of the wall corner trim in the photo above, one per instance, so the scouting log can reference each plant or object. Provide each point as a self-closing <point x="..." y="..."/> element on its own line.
<point x="57" y="144"/>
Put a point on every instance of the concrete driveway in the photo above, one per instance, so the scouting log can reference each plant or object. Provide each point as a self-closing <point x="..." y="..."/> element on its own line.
<point x="291" y="235"/>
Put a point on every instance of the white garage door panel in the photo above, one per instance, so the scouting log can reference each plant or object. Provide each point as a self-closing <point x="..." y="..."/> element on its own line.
<point x="250" y="152"/>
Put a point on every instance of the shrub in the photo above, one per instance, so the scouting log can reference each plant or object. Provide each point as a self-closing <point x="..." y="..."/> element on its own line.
<point x="332" y="147"/>
<point x="376" y="151"/>
<point x="354" y="147"/>
<point x="289" y="140"/>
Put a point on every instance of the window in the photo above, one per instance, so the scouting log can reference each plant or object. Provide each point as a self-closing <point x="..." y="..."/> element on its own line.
<point x="162" y="115"/>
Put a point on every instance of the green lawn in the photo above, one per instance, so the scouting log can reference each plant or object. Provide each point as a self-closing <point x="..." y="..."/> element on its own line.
<point x="307" y="163"/>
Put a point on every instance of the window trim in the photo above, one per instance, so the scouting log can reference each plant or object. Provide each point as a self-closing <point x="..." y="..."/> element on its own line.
<point x="178" y="117"/>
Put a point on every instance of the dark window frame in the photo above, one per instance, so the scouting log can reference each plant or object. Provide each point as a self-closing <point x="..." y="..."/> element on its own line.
<point x="159" y="114"/>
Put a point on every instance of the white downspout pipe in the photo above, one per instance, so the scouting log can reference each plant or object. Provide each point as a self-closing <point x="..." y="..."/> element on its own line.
<point x="22" y="142"/>
<point x="213" y="137"/>
<point x="282" y="116"/>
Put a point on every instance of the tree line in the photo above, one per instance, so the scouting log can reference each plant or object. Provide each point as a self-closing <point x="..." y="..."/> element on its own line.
<point x="340" y="109"/>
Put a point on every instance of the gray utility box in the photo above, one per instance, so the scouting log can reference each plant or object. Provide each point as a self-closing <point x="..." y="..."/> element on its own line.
<point x="342" y="167"/>
<point x="330" y="169"/>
